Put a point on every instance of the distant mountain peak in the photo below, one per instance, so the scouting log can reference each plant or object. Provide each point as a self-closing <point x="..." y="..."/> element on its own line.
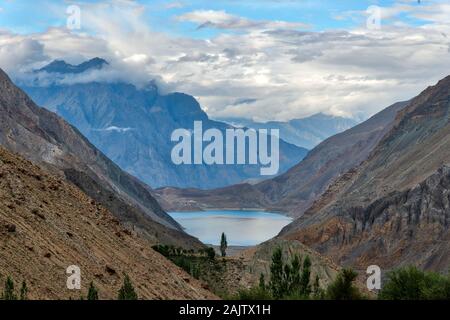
<point x="62" y="67"/>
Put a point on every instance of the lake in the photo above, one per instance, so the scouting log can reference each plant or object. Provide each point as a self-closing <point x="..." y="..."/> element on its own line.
<point x="243" y="228"/>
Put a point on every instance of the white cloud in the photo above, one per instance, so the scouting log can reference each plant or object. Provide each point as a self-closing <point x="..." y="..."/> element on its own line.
<point x="174" y="5"/>
<point x="115" y="129"/>
<point x="223" y="20"/>
<point x="287" y="72"/>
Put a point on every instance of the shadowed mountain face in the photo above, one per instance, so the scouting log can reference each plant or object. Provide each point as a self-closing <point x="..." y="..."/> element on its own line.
<point x="133" y="127"/>
<point x="294" y="191"/>
<point x="394" y="208"/>
<point x="44" y="138"/>
<point x="307" y="132"/>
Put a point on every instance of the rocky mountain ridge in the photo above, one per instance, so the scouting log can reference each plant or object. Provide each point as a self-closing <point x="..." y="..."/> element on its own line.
<point x="47" y="225"/>
<point x="44" y="138"/>
<point x="392" y="209"/>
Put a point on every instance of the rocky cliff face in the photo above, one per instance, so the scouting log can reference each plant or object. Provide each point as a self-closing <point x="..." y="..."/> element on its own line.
<point x="393" y="208"/>
<point x="44" y="138"/>
<point x="133" y="127"/>
<point x="47" y="225"/>
<point x="294" y="191"/>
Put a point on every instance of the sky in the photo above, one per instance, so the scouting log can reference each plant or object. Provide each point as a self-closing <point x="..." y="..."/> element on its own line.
<point x="257" y="59"/>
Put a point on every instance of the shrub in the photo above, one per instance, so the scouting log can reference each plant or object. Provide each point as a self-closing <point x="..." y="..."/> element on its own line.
<point x="342" y="288"/>
<point x="254" y="293"/>
<point x="24" y="291"/>
<point x="127" y="291"/>
<point x="93" y="292"/>
<point x="411" y="283"/>
<point x="8" y="292"/>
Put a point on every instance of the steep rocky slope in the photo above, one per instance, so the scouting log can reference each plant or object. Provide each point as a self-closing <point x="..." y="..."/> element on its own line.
<point x="133" y="126"/>
<point x="44" y="138"/>
<point x="294" y="191"/>
<point x="47" y="224"/>
<point x="393" y="209"/>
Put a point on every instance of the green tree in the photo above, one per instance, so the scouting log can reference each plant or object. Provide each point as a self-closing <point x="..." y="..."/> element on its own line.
<point x="210" y="253"/>
<point x="24" y="291"/>
<point x="277" y="284"/>
<point x="223" y="245"/>
<point x="292" y="275"/>
<point x="262" y="282"/>
<point x="8" y="292"/>
<point x="317" y="291"/>
<point x="92" y="292"/>
<point x="342" y="287"/>
<point x="410" y="283"/>
<point x="127" y="291"/>
<point x="305" y="286"/>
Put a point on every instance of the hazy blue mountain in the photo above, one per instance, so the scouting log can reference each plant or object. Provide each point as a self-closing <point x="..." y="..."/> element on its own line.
<point x="60" y="66"/>
<point x="133" y="126"/>
<point x="306" y="132"/>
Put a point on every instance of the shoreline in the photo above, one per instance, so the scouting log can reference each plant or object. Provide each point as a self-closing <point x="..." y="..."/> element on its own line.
<point x="232" y="209"/>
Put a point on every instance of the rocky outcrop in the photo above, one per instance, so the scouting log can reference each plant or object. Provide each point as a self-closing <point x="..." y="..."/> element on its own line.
<point x="403" y="228"/>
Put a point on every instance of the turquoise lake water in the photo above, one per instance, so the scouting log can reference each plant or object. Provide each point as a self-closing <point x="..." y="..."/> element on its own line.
<point x="243" y="228"/>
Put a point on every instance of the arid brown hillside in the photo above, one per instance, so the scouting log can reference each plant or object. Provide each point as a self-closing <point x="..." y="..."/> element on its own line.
<point x="46" y="139"/>
<point x="394" y="208"/>
<point x="47" y="224"/>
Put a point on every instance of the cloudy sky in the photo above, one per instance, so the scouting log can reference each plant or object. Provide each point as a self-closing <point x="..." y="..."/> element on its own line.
<point x="259" y="59"/>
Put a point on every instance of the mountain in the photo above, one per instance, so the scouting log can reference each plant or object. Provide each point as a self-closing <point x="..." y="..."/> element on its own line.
<point x="133" y="127"/>
<point x="61" y="67"/>
<point x="394" y="208"/>
<point x="47" y="140"/>
<point x="47" y="225"/>
<point x="294" y="191"/>
<point x="306" y="132"/>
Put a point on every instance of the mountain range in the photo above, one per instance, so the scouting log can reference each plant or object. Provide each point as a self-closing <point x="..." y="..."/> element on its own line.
<point x="394" y="208"/>
<point x="305" y="132"/>
<point x="378" y="193"/>
<point x="47" y="224"/>
<point x="133" y="126"/>
<point x="64" y="203"/>
<point x="294" y="191"/>
<point x="46" y="139"/>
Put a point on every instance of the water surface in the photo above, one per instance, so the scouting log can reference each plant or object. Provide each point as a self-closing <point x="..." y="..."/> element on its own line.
<point x="243" y="228"/>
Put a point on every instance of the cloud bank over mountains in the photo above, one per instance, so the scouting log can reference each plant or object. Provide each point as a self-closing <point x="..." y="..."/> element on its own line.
<point x="282" y="70"/>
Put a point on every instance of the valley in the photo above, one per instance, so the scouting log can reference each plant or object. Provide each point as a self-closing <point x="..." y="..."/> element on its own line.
<point x="280" y="151"/>
<point x="341" y="206"/>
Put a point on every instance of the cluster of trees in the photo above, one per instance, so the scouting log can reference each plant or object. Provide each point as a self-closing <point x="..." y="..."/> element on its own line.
<point x="410" y="283"/>
<point x="172" y="251"/>
<point x="288" y="280"/>
<point x="292" y="280"/>
<point x="126" y="292"/>
<point x="189" y="260"/>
